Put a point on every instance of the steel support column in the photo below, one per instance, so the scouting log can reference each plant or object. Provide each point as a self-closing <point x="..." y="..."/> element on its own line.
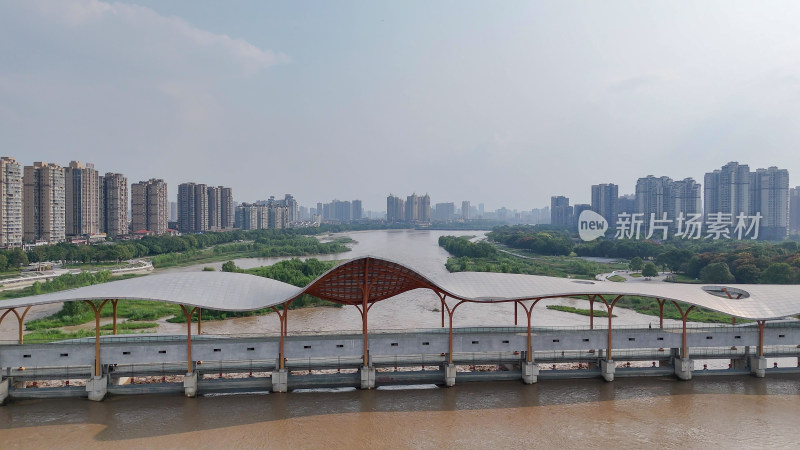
<point x="760" y="337"/>
<point x="365" y="310"/>
<point x="199" y="321"/>
<point x="283" y="317"/>
<point x="98" y="370"/>
<point x="684" y="316"/>
<point x="114" y="315"/>
<point x="528" y="313"/>
<point x="660" y="313"/>
<point x="188" y="315"/>
<point x="610" y="308"/>
<point x="450" y="313"/>
<point x="20" y="320"/>
<point x="591" y="312"/>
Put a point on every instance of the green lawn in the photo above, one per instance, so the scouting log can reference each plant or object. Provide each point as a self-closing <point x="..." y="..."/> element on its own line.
<point x="582" y="312"/>
<point x="617" y="278"/>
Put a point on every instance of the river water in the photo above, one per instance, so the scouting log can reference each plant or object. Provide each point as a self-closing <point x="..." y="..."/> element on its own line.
<point x="736" y="411"/>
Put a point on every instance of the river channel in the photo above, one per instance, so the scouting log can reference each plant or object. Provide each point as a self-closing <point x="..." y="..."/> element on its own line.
<point x="716" y="411"/>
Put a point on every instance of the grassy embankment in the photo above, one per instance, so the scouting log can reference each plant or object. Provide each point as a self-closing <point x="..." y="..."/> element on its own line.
<point x="289" y="245"/>
<point x="581" y="311"/>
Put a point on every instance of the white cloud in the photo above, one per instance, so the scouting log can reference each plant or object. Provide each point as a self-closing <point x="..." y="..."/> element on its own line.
<point x="78" y="14"/>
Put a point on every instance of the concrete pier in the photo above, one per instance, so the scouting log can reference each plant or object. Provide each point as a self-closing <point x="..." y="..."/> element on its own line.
<point x="190" y="384"/>
<point x="530" y="373"/>
<point x="368" y="377"/>
<point x="97" y="388"/>
<point x="280" y="380"/>
<point x="683" y="368"/>
<point x="607" y="369"/>
<point x="449" y="375"/>
<point x="758" y="366"/>
<point x="3" y="391"/>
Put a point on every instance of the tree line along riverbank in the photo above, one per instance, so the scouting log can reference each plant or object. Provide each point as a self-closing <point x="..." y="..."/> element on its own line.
<point x="486" y="257"/>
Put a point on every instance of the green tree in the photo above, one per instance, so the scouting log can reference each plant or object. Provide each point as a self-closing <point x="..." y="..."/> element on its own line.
<point x="650" y="270"/>
<point x="777" y="273"/>
<point x="17" y="258"/>
<point x="229" y="267"/>
<point x="716" y="273"/>
<point x="747" y="273"/>
<point x="636" y="264"/>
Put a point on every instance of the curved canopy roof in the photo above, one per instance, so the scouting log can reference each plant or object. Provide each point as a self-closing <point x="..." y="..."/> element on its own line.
<point x="382" y="279"/>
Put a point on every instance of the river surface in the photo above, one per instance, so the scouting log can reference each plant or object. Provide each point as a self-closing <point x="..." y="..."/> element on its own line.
<point x="709" y="411"/>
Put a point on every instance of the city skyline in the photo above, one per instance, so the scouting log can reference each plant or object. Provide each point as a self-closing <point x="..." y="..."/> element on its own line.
<point x="512" y="92"/>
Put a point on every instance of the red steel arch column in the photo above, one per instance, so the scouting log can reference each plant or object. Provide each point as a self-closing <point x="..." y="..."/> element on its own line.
<point x="684" y="316"/>
<point x="610" y="308"/>
<point x="20" y="320"/>
<point x="188" y="315"/>
<point x="114" y="316"/>
<point x="97" y="309"/>
<point x="528" y="312"/>
<point x="283" y="318"/>
<point x="450" y="313"/>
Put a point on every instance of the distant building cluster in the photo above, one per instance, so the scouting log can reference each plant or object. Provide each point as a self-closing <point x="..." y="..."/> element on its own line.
<point x="339" y="211"/>
<point x="265" y="214"/>
<point x="204" y="208"/>
<point x="414" y="209"/>
<point x="48" y="203"/>
<point x="729" y="192"/>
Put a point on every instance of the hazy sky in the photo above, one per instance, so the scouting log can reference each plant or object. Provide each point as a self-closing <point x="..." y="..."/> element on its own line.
<point x="504" y="103"/>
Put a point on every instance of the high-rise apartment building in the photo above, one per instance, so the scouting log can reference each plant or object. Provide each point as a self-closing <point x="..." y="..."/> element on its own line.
<point x="727" y="190"/>
<point x="149" y="202"/>
<point x="192" y="208"/>
<point x="735" y="190"/>
<point x="794" y="209"/>
<point x="44" y="203"/>
<point x="684" y="197"/>
<point x="769" y="190"/>
<point x="443" y="211"/>
<point x="418" y="208"/>
<point x="465" y="210"/>
<point x="424" y="208"/>
<point x="214" y="208"/>
<point x="173" y="211"/>
<point x="605" y="202"/>
<point x="626" y="204"/>
<point x="657" y="196"/>
<point x="10" y="202"/>
<point x="395" y="209"/>
<point x="358" y="212"/>
<point x="652" y="197"/>
<point x="226" y="211"/>
<point x="560" y="211"/>
<point x="247" y="216"/>
<point x="114" y="204"/>
<point x="82" y="190"/>
<point x="412" y="208"/>
<point x="292" y="208"/>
